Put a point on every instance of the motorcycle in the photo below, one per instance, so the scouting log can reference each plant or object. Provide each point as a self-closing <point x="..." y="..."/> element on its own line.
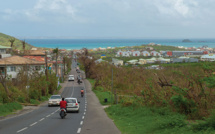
<point x="62" y="113"/>
<point x="82" y="94"/>
<point x="79" y="81"/>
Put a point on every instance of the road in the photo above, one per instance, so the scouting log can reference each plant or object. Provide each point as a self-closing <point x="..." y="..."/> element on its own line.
<point x="46" y="120"/>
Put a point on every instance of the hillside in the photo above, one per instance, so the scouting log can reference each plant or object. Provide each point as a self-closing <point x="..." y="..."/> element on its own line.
<point x="4" y="41"/>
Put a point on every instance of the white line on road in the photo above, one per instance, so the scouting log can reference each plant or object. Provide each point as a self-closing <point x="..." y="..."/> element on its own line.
<point x="33" y="124"/>
<point x="85" y="110"/>
<point x="81" y="123"/>
<point x="79" y="130"/>
<point x="56" y="110"/>
<point x="72" y="90"/>
<point x="52" y="113"/>
<point x="22" y="129"/>
<point x="41" y="119"/>
<point x="47" y="115"/>
<point x="82" y="117"/>
<point x="85" y="107"/>
<point x="84" y="113"/>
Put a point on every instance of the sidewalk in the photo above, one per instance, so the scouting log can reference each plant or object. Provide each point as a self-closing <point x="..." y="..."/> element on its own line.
<point x="96" y="120"/>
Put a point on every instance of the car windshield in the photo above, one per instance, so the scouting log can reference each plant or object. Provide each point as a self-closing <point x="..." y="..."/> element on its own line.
<point x="55" y="97"/>
<point x="71" y="100"/>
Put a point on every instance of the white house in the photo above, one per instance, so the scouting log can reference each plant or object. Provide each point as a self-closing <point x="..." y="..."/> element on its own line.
<point x="208" y="57"/>
<point x="117" y="62"/>
<point x="11" y="66"/>
<point x="145" y="53"/>
<point x="119" y="53"/>
<point x="154" y="53"/>
<point x="136" y="53"/>
<point x="132" y="62"/>
<point x="152" y="60"/>
<point x="125" y="54"/>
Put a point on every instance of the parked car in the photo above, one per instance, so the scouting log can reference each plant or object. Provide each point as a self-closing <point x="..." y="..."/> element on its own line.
<point x="54" y="100"/>
<point x="72" y="104"/>
<point x="71" y="78"/>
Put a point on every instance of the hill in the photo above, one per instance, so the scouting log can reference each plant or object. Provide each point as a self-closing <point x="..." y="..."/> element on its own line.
<point x="4" y="41"/>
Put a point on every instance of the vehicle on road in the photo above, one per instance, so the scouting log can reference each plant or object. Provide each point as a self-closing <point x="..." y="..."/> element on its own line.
<point x="79" y="81"/>
<point x="78" y="71"/>
<point x="72" y="104"/>
<point x="62" y="113"/>
<point x="54" y="100"/>
<point x="71" y="78"/>
<point x="82" y="92"/>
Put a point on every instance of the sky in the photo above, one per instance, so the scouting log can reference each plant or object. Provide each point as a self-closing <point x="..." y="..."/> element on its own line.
<point x="108" y="18"/>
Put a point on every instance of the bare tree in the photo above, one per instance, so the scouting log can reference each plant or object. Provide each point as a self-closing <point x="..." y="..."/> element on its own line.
<point x="11" y="40"/>
<point x="23" y="45"/>
<point x="3" y="80"/>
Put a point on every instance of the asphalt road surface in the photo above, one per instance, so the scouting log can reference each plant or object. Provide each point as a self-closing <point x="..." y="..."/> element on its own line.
<point x="91" y="118"/>
<point x="46" y="120"/>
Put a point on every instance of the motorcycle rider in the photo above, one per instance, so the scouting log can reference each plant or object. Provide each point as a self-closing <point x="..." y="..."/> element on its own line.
<point x="82" y="91"/>
<point x="63" y="104"/>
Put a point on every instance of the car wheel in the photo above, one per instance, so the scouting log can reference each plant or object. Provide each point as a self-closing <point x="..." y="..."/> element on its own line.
<point x="78" y="111"/>
<point x="49" y="106"/>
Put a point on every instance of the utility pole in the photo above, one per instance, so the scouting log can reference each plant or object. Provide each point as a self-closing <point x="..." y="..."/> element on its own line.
<point x="46" y="71"/>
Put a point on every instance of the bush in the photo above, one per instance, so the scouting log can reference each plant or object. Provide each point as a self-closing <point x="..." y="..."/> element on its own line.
<point x="6" y="109"/>
<point x="35" y="102"/>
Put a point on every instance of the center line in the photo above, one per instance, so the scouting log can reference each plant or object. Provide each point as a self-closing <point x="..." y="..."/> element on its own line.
<point x="33" y="124"/>
<point x="83" y="117"/>
<point x="41" y="119"/>
<point x="47" y="115"/>
<point x="85" y="110"/>
<point x="84" y="113"/>
<point x="79" y="130"/>
<point x="22" y="129"/>
<point x="81" y="123"/>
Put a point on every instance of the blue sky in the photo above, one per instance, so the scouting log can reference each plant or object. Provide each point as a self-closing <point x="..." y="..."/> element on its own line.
<point x="108" y="18"/>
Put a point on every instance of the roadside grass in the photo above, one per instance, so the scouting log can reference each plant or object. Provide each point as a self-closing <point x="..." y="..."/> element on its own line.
<point x="101" y="94"/>
<point x="145" y="120"/>
<point x="6" y="109"/>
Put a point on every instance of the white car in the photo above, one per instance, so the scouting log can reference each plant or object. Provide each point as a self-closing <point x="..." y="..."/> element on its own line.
<point x="71" y="78"/>
<point x="72" y="104"/>
<point x="54" y="100"/>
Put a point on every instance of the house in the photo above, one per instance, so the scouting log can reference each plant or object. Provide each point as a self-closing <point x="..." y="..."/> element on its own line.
<point x="35" y="53"/>
<point x="126" y="54"/>
<point x="117" y="62"/>
<point x="162" y="60"/>
<point x="183" y="60"/>
<point x="5" y="52"/>
<point x="12" y="65"/>
<point x="154" y="53"/>
<point x="136" y="53"/>
<point x="132" y="62"/>
<point x="145" y="53"/>
<point x="119" y="53"/>
<point x="208" y="57"/>
<point x="142" y="61"/>
<point x="99" y="61"/>
<point x="103" y="56"/>
<point x="150" y="61"/>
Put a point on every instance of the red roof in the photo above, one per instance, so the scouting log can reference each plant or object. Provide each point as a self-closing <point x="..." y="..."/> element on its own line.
<point x="37" y="58"/>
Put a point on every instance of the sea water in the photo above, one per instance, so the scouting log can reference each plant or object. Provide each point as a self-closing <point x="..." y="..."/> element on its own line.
<point x="104" y="43"/>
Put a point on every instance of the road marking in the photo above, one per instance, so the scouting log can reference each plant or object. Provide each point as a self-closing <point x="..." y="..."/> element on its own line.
<point x="82" y="117"/>
<point x="22" y="129"/>
<point x="72" y="90"/>
<point x="47" y="115"/>
<point x="41" y="119"/>
<point x="81" y="123"/>
<point x="85" y="106"/>
<point x="85" y="101"/>
<point x="56" y="110"/>
<point x="84" y="113"/>
<point x="79" y="130"/>
<point x="85" y="110"/>
<point x="52" y="113"/>
<point x="33" y="124"/>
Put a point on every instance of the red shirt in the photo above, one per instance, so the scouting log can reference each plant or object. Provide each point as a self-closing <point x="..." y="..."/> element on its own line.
<point x="63" y="104"/>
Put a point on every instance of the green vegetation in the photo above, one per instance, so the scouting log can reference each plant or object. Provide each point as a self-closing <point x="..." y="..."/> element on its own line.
<point x="9" y="108"/>
<point x="155" y="120"/>
<point x="4" y="41"/>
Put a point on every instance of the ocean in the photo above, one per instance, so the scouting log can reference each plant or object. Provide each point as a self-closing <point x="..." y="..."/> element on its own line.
<point x="104" y="43"/>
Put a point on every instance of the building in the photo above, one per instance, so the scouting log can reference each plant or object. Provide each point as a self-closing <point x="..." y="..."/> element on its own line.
<point x="12" y="65"/>
<point x="126" y="54"/>
<point x="154" y="53"/>
<point x="5" y="52"/>
<point x="183" y="60"/>
<point x="182" y="53"/>
<point x="103" y="56"/>
<point x="133" y="62"/>
<point x="136" y="53"/>
<point x="145" y="53"/>
<point x="208" y="57"/>
<point x="142" y="61"/>
<point x="117" y="62"/>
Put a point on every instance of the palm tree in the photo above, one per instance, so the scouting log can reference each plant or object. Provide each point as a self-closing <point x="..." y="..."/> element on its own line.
<point x="56" y="51"/>
<point x="11" y="40"/>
